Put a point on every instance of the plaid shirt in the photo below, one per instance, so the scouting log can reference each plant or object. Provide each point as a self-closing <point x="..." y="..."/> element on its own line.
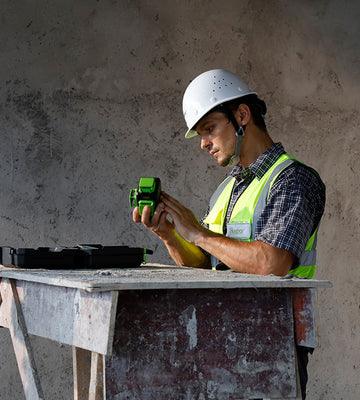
<point x="295" y="205"/>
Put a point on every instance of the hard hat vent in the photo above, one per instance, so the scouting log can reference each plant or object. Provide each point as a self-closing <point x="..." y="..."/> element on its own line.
<point x="207" y="91"/>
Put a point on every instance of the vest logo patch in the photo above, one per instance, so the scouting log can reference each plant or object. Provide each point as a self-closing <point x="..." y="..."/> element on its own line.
<point x="239" y="230"/>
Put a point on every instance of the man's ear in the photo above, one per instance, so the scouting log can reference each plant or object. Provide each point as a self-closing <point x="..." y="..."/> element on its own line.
<point x="243" y="114"/>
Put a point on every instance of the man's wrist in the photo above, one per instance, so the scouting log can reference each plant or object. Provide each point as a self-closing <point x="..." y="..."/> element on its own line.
<point x="200" y="237"/>
<point x="170" y="239"/>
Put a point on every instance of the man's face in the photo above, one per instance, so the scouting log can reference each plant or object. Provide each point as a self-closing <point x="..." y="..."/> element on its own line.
<point x="217" y="137"/>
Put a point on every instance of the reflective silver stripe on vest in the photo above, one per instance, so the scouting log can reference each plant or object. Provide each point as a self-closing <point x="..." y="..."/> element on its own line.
<point x="260" y="206"/>
<point x="218" y="191"/>
<point x="308" y="258"/>
<point x="213" y="200"/>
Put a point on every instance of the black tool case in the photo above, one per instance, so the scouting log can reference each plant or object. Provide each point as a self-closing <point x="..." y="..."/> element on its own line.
<point x="114" y="256"/>
<point x="89" y="256"/>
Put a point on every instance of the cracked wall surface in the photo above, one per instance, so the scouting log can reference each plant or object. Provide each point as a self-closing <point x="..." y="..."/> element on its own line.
<point x="90" y="99"/>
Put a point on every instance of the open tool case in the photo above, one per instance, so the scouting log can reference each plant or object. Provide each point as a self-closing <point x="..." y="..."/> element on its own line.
<point x="86" y="256"/>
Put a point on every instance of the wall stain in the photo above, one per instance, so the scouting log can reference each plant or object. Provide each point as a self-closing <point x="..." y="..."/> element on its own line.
<point x="44" y="147"/>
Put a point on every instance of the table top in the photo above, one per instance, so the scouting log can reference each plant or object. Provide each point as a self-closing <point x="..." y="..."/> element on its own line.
<point x="155" y="276"/>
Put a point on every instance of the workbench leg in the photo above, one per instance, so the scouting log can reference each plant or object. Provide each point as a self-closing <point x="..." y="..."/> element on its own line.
<point x="21" y="342"/>
<point x="97" y="390"/>
<point x="81" y="371"/>
<point x="89" y="375"/>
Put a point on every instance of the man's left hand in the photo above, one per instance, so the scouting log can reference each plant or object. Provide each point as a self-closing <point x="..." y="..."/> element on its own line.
<point x="185" y="221"/>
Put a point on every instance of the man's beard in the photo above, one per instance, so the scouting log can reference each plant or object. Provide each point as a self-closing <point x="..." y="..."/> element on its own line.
<point x="230" y="161"/>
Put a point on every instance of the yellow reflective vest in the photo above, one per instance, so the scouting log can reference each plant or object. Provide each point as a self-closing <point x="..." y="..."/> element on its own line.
<point x="247" y="211"/>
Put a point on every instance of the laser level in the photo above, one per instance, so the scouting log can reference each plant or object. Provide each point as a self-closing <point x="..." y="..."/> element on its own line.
<point x="147" y="194"/>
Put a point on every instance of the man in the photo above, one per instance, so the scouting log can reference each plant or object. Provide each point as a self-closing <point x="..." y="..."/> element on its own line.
<point x="263" y="218"/>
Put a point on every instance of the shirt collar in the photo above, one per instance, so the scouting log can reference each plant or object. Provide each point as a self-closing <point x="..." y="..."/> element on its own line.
<point x="258" y="167"/>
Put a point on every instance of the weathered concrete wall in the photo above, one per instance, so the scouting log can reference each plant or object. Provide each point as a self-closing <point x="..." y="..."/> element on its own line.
<point x="91" y="99"/>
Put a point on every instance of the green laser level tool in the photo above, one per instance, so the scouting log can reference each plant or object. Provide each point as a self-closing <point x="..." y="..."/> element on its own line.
<point x="147" y="194"/>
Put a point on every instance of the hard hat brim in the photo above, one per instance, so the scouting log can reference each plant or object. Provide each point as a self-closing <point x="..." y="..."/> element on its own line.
<point x="190" y="134"/>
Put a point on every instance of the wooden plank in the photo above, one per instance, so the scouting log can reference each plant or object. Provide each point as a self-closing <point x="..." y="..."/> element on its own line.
<point x="81" y="371"/>
<point x="97" y="389"/>
<point x="21" y="342"/>
<point x="67" y="315"/>
<point x="156" y="277"/>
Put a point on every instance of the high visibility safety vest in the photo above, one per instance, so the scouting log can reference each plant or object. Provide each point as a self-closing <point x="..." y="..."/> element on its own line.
<point x="247" y="212"/>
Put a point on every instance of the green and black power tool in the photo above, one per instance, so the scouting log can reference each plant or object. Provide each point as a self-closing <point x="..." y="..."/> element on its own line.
<point x="147" y="194"/>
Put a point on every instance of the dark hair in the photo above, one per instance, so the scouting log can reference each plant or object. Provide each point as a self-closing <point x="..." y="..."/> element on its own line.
<point x="257" y="107"/>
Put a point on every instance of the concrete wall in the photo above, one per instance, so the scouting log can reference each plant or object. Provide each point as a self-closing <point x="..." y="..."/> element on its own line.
<point x="91" y="99"/>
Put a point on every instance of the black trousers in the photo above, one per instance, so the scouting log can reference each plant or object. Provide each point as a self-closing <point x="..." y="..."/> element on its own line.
<point x="303" y="359"/>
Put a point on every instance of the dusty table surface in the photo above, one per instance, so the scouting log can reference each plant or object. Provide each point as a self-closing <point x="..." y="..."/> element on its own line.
<point x="155" y="276"/>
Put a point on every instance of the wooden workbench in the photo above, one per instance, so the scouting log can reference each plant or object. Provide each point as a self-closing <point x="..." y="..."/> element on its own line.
<point x="161" y="331"/>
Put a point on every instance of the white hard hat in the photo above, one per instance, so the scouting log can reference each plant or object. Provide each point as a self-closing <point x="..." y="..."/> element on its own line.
<point x="207" y="91"/>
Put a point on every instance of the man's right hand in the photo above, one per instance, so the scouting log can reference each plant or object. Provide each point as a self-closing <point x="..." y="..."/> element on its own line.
<point x="158" y="224"/>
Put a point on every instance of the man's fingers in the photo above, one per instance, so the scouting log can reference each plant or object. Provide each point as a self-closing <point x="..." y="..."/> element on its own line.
<point x="145" y="216"/>
<point x="163" y="217"/>
<point x="165" y="220"/>
<point x="136" y="215"/>
<point x="180" y="212"/>
<point x="173" y="212"/>
<point x="168" y="200"/>
<point x="157" y="214"/>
